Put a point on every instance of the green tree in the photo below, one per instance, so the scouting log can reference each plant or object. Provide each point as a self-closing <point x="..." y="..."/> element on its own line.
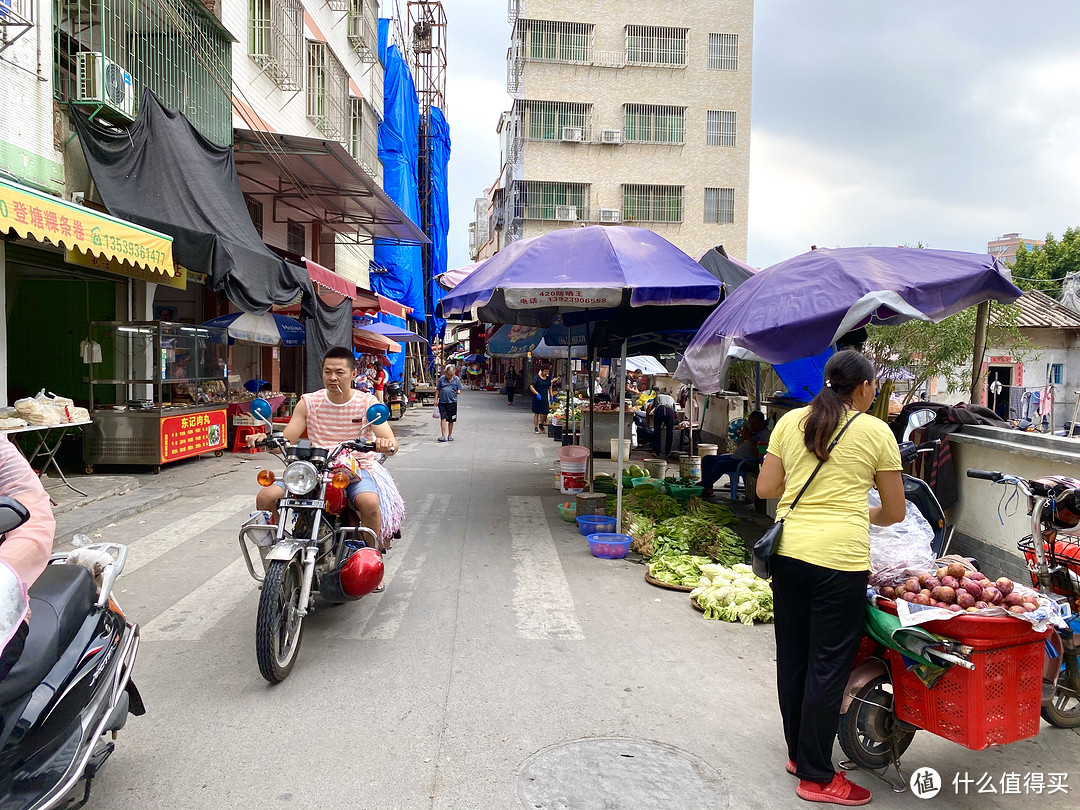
<point x="927" y="350"/>
<point x="1043" y="267"/>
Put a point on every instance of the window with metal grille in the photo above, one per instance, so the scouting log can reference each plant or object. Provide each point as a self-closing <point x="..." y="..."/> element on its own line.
<point x="653" y="123"/>
<point x="255" y="211"/>
<point x="177" y="49"/>
<point x="654" y="45"/>
<point x="720" y="130"/>
<point x="554" y="41"/>
<point x="276" y="39"/>
<point x="652" y="203"/>
<point x="327" y="91"/>
<point x="295" y="237"/>
<point x="562" y="201"/>
<point x="723" y="51"/>
<point x="720" y="205"/>
<point x="546" y="120"/>
<point x="363" y="136"/>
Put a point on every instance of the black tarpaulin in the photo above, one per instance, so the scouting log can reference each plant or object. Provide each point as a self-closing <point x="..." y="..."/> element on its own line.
<point x="158" y="171"/>
<point x="331" y="326"/>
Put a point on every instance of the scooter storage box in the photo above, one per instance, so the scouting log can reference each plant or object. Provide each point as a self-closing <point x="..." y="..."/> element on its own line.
<point x="996" y="703"/>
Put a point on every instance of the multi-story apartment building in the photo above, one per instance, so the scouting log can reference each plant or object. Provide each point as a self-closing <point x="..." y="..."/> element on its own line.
<point x="310" y="70"/>
<point x="629" y="112"/>
<point x="1006" y="246"/>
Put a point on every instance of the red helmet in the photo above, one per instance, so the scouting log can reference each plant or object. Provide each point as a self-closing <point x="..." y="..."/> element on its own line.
<point x="1063" y="509"/>
<point x="362" y="573"/>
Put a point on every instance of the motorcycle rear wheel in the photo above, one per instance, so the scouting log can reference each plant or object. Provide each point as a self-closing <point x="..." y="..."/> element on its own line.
<point x="279" y="626"/>
<point x="869" y="732"/>
<point x="1063" y="711"/>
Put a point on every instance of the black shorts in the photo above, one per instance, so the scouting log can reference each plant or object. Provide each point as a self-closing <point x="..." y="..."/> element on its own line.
<point x="448" y="411"/>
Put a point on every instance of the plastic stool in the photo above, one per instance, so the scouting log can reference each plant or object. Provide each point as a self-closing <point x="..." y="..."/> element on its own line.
<point x="239" y="443"/>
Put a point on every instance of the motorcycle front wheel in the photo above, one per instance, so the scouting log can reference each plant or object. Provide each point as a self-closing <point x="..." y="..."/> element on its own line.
<point x="870" y="733"/>
<point x="279" y="625"/>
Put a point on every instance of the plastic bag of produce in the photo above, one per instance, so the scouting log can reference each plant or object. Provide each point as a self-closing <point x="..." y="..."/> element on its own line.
<point x="903" y="545"/>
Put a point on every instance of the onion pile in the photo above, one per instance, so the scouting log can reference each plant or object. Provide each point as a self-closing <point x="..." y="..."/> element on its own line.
<point x="957" y="588"/>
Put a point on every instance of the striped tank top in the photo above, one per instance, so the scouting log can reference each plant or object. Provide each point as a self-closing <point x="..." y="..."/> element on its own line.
<point x="329" y="424"/>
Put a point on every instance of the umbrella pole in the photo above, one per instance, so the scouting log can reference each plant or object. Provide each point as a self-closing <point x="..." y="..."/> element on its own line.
<point x="590" y="354"/>
<point x="622" y="433"/>
<point x="757" y="386"/>
<point x="691" y="417"/>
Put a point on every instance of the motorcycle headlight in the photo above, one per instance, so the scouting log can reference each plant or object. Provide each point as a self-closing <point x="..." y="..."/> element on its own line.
<point x="300" y="477"/>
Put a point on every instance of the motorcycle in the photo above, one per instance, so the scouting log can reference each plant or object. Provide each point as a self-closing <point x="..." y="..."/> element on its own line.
<point x="72" y="684"/>
<point x="395" y="400"/>
<point x="316" y="548"/>
<point x="870" y="732"/>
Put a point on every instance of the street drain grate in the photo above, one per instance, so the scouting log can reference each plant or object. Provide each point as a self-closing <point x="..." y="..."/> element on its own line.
<point x="616" y="773"/>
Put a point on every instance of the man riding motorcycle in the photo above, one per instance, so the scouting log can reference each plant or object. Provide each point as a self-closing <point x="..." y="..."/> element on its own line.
<point x="330" y="416"/>
<point x="26" y="549"/>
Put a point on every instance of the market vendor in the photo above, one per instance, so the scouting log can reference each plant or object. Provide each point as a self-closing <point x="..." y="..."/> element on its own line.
<point x="181" y="370"/>
<point x="753" y="441"/>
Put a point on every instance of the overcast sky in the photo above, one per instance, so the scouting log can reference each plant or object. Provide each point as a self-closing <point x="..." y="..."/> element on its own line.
<point x="873" y="123"/>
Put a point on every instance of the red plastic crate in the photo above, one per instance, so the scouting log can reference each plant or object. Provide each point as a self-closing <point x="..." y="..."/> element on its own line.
<point x="996" y="703"/>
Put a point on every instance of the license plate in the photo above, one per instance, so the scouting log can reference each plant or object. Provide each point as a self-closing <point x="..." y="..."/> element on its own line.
<point x="295" y="503"/>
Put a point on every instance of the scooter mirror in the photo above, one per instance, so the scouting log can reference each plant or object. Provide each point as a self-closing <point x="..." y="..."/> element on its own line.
<point x="377" y="414"/>
<point x="12" y="514"/>
<point x="918" y="419"/>
<point x="260" y="409"/>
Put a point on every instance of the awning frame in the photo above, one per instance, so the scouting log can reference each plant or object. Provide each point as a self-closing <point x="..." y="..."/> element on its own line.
<point x="358" y="210"/>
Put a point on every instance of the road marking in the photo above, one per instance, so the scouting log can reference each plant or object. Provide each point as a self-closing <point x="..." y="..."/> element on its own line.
<point x="542" y="601"/>
<point x="195" y="614"/>
<point x="165" y="539"/>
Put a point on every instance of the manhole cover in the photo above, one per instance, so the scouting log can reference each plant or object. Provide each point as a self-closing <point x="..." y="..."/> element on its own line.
<point x="615" y="773"/>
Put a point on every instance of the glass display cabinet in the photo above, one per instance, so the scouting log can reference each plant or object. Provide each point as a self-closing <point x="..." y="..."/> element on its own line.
<point x="158" y="393"/>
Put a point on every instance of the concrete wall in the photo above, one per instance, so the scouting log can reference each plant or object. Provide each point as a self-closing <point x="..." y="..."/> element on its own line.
<point x="988" y="527"/>
<point x="692" y="164"/>
<point x="28" y="142"/>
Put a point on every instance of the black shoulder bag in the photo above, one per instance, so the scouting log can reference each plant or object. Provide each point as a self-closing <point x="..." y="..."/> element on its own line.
<point x="765" y="547"/>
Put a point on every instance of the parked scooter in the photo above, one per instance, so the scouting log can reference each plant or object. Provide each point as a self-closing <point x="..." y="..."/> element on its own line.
<point x="71" y="686"/>
<point x="870" y="731"/>
<point x="317" y="546"/>
<point x="395" y="399"/>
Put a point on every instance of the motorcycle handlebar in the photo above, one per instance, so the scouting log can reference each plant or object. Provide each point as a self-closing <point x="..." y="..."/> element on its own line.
<point x="986" y="475"/>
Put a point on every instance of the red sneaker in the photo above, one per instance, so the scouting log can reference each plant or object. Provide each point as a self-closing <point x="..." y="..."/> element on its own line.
<point x="790" y="767"/>
<point x="838" y="791"/>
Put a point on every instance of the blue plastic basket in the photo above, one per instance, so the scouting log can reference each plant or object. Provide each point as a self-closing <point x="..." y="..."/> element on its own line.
<point x="609" y="546"/>
<point x="588" y="524"/>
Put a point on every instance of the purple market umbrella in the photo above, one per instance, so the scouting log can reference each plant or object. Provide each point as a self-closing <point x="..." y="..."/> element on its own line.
<point x="593" y="268"/>
<point x="799" y="307"/>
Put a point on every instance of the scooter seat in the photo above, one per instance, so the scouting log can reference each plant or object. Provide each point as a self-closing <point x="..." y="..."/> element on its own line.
<point x="60" y="600"/>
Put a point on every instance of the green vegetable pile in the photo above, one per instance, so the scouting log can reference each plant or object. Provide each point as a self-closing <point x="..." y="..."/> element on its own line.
<point x="683" y="481"/>
<point x="678" y="569"/>
<point x="661" y="525"/>
<point x="733" y="594"/>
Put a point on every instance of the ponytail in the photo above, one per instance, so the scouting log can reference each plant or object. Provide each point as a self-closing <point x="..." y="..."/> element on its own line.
<point x="845" y="371"/>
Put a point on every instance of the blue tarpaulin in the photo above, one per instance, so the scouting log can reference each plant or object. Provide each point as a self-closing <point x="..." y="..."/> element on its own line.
<point x="398" y="150"/>
<point x="438" y="160"/>
<point x="804" y="377"/>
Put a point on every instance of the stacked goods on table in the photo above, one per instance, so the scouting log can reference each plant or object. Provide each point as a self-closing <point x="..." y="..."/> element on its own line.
<point x="45" y="410"/>
<point x="661" y="525"/>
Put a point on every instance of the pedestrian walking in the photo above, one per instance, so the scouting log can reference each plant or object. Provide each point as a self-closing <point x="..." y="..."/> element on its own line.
<point x="541" y="403"/>
<point x="827" y="457"/>
<point x="511" y="385"/>
<point x="449" y="386"/>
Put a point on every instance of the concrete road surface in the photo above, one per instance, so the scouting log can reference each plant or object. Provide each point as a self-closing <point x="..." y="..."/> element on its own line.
<point x="498" y="643"/>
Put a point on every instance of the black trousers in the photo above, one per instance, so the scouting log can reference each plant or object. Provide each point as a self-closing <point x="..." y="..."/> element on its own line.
<point x="663" y="419"/>
<point x="819" y="622"/>
<point x="510" y="391"/>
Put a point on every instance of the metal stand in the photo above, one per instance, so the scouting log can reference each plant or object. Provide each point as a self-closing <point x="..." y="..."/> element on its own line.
<point x="44" y="450"/>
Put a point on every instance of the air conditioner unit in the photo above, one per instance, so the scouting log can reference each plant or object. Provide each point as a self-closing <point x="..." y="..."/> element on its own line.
<point x="566" y="213"/>
<point x="104" y="81"/>
<point x="610" y="215"/>
<point x="611" y="136"/>
<point x="572" y="134"/>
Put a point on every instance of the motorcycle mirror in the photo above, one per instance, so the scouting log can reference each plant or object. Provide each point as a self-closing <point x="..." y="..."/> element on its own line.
<point x="377" y="414"/>
<point x="12" y="514"/>
<point x="918" y="419"/>
<point x="260" y="409"/>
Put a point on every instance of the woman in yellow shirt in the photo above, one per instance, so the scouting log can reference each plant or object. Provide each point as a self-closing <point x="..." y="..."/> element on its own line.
<point x="822" y="563"/>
